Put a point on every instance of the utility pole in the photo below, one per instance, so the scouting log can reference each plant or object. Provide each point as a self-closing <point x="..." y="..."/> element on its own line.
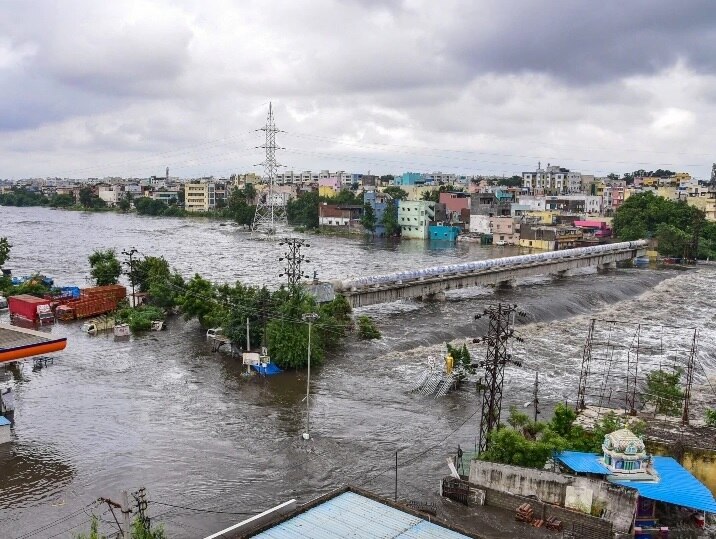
<point x="293" y="259"/>
<point x="142" y="504"/>
<point x="310" y="318"/>
<point x="535" y="398"/>
<point x="131" y="254"/>
<point x="126" y="516"/>
<point x="499" y="332"/>
<point x="268" y="213"/>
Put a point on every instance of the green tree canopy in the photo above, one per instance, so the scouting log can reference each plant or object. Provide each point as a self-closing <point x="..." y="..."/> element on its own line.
<point x="105" y="268"/>
<point x="396" y="192"/>
<point x="390" y="219"/>
<point x="4" y="251"/>
<point x="368" y="219"/>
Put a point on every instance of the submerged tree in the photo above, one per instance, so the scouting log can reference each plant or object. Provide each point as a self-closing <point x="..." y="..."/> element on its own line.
<point x="105" y="268"/>
<point x="4" y="251"/>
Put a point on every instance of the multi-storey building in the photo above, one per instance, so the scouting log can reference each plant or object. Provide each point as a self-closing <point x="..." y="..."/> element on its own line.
<point x="199" y="195"/>
<point x="551" y="181"/>
<point x="414" y="218"/>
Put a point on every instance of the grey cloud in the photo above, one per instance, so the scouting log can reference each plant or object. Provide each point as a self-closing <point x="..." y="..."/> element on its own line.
<point x="583" y="42"/>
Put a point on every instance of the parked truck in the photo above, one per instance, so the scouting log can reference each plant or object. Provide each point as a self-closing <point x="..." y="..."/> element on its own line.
<point x="98" y="324"/>
<point x="30" y="308"/>
<point x="92" y="302"/>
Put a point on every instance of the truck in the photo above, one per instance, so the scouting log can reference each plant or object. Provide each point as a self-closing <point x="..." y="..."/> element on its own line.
<point x="85" y="307"/>
<point x="98" y="324"/>
<point x="30" y="308"/>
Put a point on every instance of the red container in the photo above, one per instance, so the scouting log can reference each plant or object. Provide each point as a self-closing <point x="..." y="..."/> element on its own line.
<point x="25" y="306"/>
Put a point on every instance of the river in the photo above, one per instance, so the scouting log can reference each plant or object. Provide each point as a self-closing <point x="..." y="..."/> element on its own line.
<point x="164" y="412"/>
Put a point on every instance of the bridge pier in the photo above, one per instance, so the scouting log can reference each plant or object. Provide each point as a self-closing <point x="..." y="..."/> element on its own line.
<point x="505" y="285"/>
<point x="604" y="268"/>
<point x="560" y="274"/>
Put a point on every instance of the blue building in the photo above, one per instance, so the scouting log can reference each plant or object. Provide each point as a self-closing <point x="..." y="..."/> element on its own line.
<point x="443" y="232"/>
<point x="409" y="178"/>
<point x="379" y="202"/>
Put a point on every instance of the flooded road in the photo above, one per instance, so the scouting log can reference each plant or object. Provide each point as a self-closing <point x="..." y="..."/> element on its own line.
<point x="164" y="412"/>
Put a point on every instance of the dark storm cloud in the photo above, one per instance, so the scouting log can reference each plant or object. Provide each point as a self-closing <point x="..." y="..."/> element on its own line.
<point x="584" y="42"/>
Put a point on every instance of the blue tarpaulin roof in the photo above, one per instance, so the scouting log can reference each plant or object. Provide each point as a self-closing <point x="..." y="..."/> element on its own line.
<point x="4" y="421"/>
<point x="582" y="462"/>
<point x="352" y="515"/>
<point x="674" y="484"/>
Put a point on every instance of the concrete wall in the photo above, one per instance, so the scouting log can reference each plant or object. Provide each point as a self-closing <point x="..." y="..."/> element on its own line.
<point x="619" y="503"/>
<point x="547" y="486"/>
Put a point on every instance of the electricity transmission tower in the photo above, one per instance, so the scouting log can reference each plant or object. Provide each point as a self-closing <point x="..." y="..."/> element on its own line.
<point x="498" y="334"/>
<point x="269" y="212"/>
<point x="293" y="259"/>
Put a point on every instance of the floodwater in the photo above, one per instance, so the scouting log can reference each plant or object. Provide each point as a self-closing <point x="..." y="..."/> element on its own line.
<point x="164" y="412"/>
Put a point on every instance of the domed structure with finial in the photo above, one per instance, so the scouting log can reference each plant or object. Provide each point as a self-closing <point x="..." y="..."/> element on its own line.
<point x="624" y="452"/>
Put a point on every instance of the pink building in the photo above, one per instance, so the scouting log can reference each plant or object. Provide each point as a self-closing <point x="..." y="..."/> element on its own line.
<point x="597" y="228"/>
<point x="455" y="202"/>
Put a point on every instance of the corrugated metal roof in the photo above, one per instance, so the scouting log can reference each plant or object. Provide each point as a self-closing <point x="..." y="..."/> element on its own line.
<point x="4" y="421"/>
<point x="352" y="515"/>
<point x="676" y="485"/>
<point x="582" y="462"/>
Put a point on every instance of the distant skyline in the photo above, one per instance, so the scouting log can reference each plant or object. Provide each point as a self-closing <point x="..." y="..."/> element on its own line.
<point x="93" y="89"/>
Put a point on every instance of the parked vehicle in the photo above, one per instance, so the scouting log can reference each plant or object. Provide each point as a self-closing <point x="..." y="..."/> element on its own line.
<point x="30" y="308"/>
<point x="98" y="324"/>
<point x="121" y="330"/>
<point x="213" y="332"/>
<point x="3" y="303"/>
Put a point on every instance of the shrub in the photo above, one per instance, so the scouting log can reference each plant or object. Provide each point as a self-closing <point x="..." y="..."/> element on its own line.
<point x="367" y="329"/>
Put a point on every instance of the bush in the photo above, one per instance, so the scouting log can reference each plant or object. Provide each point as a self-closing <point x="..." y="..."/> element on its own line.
<point x="141" y="318"/>
<point x="366" y="328"/>
<point x="711" y="417"/>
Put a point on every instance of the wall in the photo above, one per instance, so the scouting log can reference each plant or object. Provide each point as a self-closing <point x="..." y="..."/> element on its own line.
<point x="619" y="503"/>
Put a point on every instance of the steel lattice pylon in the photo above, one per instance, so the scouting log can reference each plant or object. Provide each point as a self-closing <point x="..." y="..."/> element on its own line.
<point x="269" y="213"/>
<point x="498" y="333"/>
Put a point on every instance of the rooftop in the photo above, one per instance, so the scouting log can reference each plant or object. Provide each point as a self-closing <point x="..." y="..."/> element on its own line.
<point x="674" y="484"/>
<point x="355" y="514"/>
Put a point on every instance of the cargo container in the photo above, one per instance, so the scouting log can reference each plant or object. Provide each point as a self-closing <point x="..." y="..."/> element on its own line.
<point x="113" y="291"/>
<point x="25" y="307"/>
<point x="86" y="307"/>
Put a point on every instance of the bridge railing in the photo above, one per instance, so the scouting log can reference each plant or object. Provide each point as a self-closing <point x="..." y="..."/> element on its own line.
<point x="479" y="266"/>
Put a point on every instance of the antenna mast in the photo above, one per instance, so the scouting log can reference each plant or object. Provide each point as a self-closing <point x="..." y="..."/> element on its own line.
<point x="269" y="213"/>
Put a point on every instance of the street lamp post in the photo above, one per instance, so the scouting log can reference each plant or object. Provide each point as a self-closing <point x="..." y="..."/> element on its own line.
<point x="310" y="318"/>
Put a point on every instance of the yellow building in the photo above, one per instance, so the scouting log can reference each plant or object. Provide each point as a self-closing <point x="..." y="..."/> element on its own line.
<point x="544" y="217"/>
<point x="668" y="192"/>
<point x="326" y="191"/>
<point x="415" y="192"/>
<point x="707" y="204"/>
<point x="199" y="196"/>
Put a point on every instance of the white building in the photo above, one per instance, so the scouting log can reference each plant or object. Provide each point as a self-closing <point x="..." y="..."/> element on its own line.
<point x="110" y="194"/>
<point x="552" y="180"/>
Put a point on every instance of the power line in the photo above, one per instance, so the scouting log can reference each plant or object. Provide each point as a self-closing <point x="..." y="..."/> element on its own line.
<point x="200" y="510"/>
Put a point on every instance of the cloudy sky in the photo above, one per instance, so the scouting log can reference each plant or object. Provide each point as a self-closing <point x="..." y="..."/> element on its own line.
<point x="92" y="88"/>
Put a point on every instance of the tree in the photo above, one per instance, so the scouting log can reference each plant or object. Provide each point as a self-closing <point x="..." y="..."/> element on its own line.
<point x="613" y="176"/>
<point x="513" y="181"/>
<point x="663" y="390"/>
<point x="390" y="219"/>
<point x="368" y="219"/>
<point x="105" y="268"/>
<point x="672" y="240"/>
<point x="366" y="328"/>
<point x="303" y="210"/>
<point x="86" y="197"/>
<point x="199" y="300"/>
<point x="288" y="335"/>
<point x="4" y="251"/>
<point x="396" y="192"/>
<point x="125" y="203"/>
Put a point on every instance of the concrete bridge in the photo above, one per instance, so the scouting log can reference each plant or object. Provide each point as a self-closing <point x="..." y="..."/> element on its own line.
<point x="434" y="282"/>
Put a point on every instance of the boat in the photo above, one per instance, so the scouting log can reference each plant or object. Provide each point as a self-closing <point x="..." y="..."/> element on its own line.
<point x="121" y="330"/>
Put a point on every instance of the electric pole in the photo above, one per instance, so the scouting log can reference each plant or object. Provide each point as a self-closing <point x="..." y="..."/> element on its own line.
<point x="269" y="213"/>
<point x="535" y="397"/>
<point x="293" y="259"/>
<point x="131" y="254"/>
<point x="501" y="318"/>
<point x="310" y="318"/>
